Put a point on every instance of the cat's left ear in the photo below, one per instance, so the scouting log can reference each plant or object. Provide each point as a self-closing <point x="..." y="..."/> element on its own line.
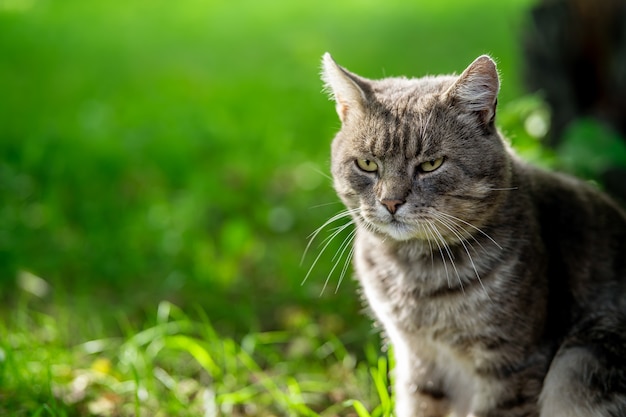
<point x="476" y="90"/>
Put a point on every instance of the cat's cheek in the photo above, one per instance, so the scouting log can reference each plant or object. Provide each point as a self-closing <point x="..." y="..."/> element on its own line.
<point x="349" y="199"/>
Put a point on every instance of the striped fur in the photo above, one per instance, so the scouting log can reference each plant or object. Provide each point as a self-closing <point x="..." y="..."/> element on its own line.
<point x="501" y="287"/>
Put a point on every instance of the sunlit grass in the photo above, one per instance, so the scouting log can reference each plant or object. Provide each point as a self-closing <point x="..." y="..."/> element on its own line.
<point x="181" y="367"/>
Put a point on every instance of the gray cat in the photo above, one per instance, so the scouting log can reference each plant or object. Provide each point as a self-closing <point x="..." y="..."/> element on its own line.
<point x="501" y="287"/>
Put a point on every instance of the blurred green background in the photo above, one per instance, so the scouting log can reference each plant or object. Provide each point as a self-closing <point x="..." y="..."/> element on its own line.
<point x="178" y="151"/>
<point x="155" y="150"/>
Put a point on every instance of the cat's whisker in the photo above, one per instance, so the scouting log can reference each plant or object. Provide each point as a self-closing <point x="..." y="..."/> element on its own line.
<point x="348" y="259"/>
<point x="472" y="226"/>
<point x="328" y="242"/>
<point x="346" y="264"/>
<point x="441" y="243"/>
<point x="335" y="233"/>
<point x="342" y="214"/>
<point x="325" y="205"/>
<point x="461" y="232"/>
<point x="443" y="258"/>
<point x="463" y="243"/>
<point x="430" y="246"/>
<point x="345" y="268"/>
<point x="323" y="174"/>
<point x="338" y="255"/>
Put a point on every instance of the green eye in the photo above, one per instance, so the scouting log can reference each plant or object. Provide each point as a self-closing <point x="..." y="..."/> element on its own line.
<point x="430" y="166"/>
<point x="367" y="165"/>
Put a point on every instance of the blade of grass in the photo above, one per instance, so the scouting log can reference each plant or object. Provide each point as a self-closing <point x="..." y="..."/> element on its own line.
<point x="197" y="350"/>
<point x="381" y="382"/>
<point x="358" y="407"/>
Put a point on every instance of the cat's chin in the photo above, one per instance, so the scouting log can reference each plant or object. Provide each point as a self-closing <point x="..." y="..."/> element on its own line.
<point x="399" y="231"/>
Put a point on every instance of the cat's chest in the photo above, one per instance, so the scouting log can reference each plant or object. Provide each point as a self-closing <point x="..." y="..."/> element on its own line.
<point x="420" y="291"/>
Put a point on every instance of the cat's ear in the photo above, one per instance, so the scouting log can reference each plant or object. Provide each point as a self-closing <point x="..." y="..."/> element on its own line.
<point x="346" y="89"/>
<point x="476" y="90"/>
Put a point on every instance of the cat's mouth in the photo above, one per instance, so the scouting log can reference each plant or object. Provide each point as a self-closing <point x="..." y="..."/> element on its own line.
<point x="400" y="230"/>
<point x="429" y="226"/>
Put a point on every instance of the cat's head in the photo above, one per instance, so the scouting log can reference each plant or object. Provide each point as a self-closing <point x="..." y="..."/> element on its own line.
<point x="419" y="158"/>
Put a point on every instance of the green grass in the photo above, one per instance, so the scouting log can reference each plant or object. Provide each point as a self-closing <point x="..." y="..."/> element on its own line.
<point x="175" y="365"/>
<point x="162" y="165"/>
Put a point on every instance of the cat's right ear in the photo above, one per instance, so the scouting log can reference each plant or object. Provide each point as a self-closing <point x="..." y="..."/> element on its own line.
<point x="476" y="90"/>
<point x="344" y="87"/>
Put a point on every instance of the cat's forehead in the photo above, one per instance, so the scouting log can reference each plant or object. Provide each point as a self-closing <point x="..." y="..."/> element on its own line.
<point x="388" y="137"/>
<point x="406" y="118"/>
<point x="411" y="90"/>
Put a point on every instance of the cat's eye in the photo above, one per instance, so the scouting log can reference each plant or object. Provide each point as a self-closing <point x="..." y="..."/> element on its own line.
<point x="367" y="165"/>
<point x="430" y="166"/>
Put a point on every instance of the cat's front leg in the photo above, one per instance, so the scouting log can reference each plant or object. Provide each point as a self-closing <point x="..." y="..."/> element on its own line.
<point x="414" y="400"/>
<point x="418" y="387"/>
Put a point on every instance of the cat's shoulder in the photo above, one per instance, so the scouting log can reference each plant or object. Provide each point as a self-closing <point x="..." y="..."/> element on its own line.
<point x="564" y="196"/>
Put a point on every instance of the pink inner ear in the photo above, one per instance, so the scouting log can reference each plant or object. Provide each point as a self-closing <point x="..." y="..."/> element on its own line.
<point x="342" y="110"/>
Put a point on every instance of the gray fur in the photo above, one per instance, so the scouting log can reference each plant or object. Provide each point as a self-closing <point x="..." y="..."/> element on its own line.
<point x="501" y="287"/>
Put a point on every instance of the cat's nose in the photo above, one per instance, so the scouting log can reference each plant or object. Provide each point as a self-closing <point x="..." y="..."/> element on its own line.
<point x="392" y="205"/>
